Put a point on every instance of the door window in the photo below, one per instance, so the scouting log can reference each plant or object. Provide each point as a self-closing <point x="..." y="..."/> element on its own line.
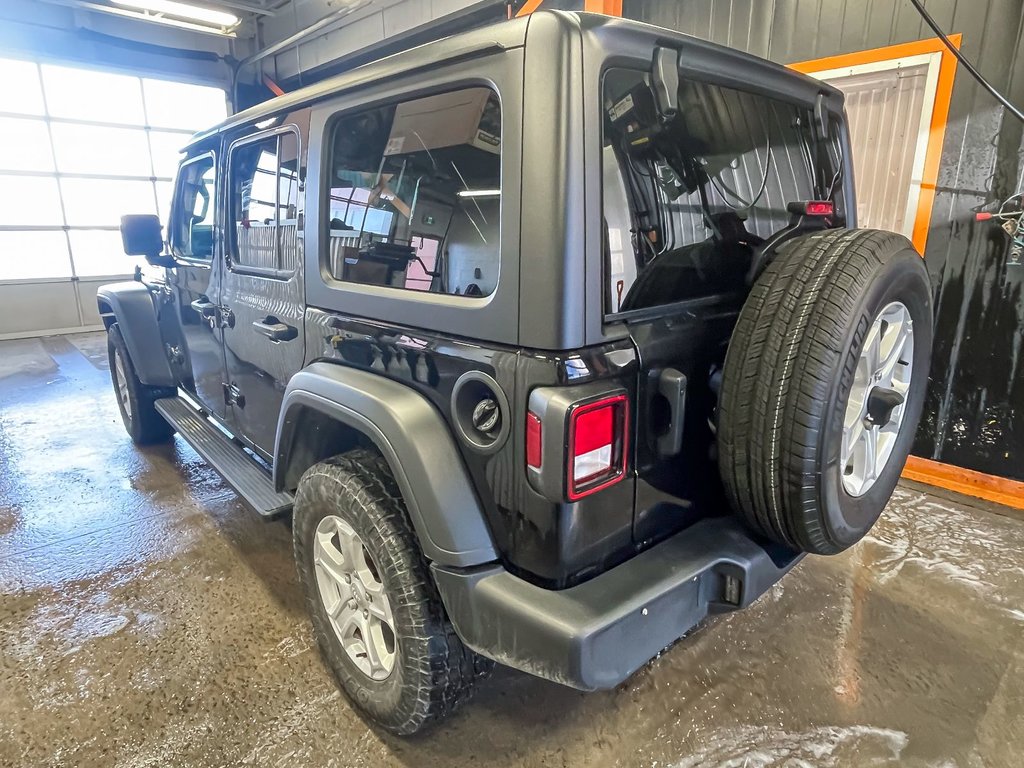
<point x="194" y="209"/>
<point x="265" y="204"/>
<point x="415" y="194"/>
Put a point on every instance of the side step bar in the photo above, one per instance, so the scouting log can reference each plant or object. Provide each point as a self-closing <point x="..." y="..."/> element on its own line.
<point x="237" y="467"/>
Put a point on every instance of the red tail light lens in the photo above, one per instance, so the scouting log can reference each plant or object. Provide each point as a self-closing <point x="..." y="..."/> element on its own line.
<point x="597" y="445"/>
<point x="819" y="208"/>
<point x="533" y="441"/>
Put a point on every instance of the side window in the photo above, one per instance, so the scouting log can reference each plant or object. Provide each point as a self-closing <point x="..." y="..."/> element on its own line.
<point x="192" y="220"/>
<point x="415" y="194"/>
<point x="265" y="203"/>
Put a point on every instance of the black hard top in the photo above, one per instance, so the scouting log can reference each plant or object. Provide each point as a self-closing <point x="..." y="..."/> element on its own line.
<point x="497" y="37"/>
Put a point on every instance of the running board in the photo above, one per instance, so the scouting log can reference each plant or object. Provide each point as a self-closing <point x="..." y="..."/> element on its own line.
<point x="231" y="461"/>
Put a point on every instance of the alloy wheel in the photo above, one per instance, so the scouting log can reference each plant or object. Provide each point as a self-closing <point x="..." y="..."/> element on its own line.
<point x="877" y="404"/>
<point x="354" y="598"/>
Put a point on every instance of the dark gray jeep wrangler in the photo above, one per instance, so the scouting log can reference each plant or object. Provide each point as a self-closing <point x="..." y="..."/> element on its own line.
<point x="554" y="337"/>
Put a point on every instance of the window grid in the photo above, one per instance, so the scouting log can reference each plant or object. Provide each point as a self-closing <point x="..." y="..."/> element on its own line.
<point x="151" y="178"/>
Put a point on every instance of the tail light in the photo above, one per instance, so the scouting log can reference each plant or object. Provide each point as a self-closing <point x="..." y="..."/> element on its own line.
<point x="813" y="208"/>
<point x="577" y="440"/>
<point x="597" y="445"/>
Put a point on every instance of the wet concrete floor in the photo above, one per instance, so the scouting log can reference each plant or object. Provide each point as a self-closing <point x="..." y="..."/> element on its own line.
<point x="148" y="618"/>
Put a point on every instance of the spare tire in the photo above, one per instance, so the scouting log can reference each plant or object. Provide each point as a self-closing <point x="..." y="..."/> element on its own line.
<point x="823" y="387"/>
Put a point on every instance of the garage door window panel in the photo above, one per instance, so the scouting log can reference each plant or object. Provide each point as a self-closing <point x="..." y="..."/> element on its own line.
<point x="99" y="252"/>
<point x="24" y="145"/>
<point x="167" y="152"/>
<point x="415" y="194"/>
<point x="87" y="94"/>
<point x="101" y="202"/>
<point x="23" y="91"/>
<point x="101" y="150"/>
<point x="34" y="255"/>
<point x="183" y="105"/>
<point x="31" y="201"/>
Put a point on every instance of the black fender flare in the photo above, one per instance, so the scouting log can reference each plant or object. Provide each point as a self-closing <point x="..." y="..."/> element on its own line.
<point x="131" y="305"/>
<point x="417" y="444"/>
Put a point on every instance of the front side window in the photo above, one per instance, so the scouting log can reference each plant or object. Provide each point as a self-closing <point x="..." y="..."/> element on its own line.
<point x="687" y="201"/>
<point x="192" y="219"/>
<point x="265" y="203"/>
<point x="415" y="194"/>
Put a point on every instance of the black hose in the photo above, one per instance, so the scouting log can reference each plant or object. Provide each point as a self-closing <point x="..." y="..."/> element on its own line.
<point x="967" y="64"/>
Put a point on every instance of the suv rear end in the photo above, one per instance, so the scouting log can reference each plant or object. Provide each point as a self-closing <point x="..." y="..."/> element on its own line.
<point x="616" y="532"/>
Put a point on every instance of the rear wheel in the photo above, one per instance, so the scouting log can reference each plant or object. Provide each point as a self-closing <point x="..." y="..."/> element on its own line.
<point x="375" y="610"/>
<point x="135" y="399"/>
<point x="823" y="387"/>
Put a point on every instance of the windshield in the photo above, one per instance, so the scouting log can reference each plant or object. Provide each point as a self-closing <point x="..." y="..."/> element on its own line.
<point x="686" y="204"/>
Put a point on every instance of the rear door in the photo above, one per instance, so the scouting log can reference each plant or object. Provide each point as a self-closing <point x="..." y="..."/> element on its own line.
<point x="262" y="293"/>
<point x="195" y="281"/>
<point x="683" y="222"/>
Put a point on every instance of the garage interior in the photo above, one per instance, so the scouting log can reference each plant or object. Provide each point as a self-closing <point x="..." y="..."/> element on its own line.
<point x="148" y="617"/>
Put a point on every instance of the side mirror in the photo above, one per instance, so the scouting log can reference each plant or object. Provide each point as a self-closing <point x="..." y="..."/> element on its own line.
<point x="141" y="235"/>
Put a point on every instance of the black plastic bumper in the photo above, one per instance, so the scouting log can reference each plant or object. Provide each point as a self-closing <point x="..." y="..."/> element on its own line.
<point x="597" y="634"/>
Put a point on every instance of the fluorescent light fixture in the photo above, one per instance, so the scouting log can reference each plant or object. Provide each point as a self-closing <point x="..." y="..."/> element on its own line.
<point x="182" y="11"/>
<point x="480" y="193"/>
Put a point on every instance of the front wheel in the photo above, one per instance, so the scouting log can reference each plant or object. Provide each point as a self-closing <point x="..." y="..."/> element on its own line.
<point x="135" y="399"/>
<point x="823" y="386"/>
<point x="375" y="610"/>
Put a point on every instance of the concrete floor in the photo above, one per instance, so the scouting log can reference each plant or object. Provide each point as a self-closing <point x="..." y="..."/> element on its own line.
<point x="148" y="618"/>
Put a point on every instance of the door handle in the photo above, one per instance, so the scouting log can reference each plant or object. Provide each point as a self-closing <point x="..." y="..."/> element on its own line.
<point x="672" y="386"/>
<point x="274" y="330"/>
<point x="204" y="307"/>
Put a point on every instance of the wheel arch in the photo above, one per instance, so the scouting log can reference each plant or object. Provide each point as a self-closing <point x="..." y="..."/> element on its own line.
<point x="130" y="305"/>
<point x="337" y="408"/>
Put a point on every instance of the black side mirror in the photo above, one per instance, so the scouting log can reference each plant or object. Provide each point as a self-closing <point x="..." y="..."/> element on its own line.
<point x="141" y="235"/>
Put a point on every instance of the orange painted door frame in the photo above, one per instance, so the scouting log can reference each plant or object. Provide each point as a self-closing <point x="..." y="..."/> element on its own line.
<point x="607" y="7"/>
<point x="940" y="111"/>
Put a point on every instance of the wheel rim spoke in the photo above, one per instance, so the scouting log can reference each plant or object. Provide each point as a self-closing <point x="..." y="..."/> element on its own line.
<point x="122" y="384"/>
<point x="354" y="598"/>
<point x="872" y="348"/>
<point x="382" y="611"/>
<point x="372" y="643"/>
<point x="898" y="335"/>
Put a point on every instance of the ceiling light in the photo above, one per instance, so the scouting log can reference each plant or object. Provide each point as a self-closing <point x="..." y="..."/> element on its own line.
<point x="182" y="11"/>
<point x="479" y="193"/>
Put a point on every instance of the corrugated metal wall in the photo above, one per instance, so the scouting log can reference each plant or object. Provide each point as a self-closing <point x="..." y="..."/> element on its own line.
<point x="974" y="416"/>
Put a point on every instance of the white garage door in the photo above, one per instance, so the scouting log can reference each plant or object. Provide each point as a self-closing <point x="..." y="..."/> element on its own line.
<point x="79" y="148"/>
<point x="889" y="104"/>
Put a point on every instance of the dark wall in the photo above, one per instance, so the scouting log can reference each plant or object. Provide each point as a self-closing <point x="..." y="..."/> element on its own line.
<point x="974" y="416"/>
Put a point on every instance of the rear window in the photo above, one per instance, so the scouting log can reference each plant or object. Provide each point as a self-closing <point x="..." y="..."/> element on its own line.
<point x="415" y="194"/>
<point x="686" y="205"/>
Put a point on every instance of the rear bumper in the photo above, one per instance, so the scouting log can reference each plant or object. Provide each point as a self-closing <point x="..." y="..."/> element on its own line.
<point x="597" y="634"/>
